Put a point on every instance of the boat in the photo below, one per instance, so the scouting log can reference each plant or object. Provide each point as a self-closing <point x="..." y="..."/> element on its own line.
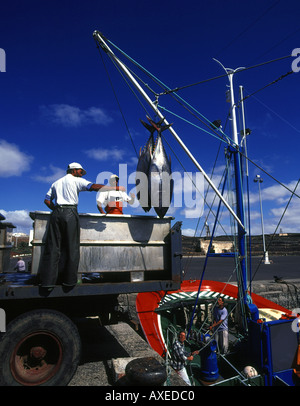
<point x="163" y="314"/>
<point x="264" y="347"/>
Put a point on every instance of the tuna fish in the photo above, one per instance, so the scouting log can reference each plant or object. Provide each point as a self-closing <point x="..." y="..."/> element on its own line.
<point x="142" y="172"/>
<point x="159" y="175"/>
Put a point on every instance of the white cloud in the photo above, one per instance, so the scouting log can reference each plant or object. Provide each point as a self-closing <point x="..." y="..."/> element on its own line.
<point x="277" y="197"/>
<point x="19" y="218"/>
<point x="72" y="116"/>
<point x="52" y="174"/>
<point x="188" y="232"/>
<point x="278" y="191"/>
<point x="275" y="193"/>
<point x="291" y="219"/>
<point x="194" y="212"/>
<point x="102" y="154"/>
<point x="13" y="162"/>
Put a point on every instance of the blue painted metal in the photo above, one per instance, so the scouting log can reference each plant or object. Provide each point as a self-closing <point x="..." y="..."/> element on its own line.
<point x="276" y="346"/>
<point x="209" y="363"/>
<point x="206" y="258"/>
<point x="240" y="213"/>
<point x="223" y="255"/>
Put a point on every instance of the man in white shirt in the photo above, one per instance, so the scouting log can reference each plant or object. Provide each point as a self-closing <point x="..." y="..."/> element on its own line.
<point x="63" y="237"/>
<point x="220" y="325"/>
<point x="20" y="265"/>
<point x="113" y="200"/>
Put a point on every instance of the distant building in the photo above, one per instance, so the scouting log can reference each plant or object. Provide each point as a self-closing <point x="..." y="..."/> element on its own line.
<point x="218" y="247"/>
<point x="17" y="238"/>
<point x="278" y="244"/>
<point x="5" y="243"/>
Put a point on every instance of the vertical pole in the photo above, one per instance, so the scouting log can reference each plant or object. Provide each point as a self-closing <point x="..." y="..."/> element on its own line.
<point x="239" y="192"/>
<point x="262" y="218"/>
<point x="247" y="182"/>
<point x="104" y="46"/>
<point x="259" y="180"/>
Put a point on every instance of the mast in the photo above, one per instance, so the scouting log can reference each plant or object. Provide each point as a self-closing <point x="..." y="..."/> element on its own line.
<point x="245" y="133"/>
<point x="238" y="186"/>
<point x="99" y="38"/>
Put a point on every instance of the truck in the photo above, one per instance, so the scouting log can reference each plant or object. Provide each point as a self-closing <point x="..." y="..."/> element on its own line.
<point x="119" y="254"/>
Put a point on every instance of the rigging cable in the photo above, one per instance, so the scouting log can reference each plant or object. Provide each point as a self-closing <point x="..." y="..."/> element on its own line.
<point x="114" y="92"/>
<point x="276" y="114"/>
<point x="255" y="164"/>
<point x="228" y="138"/>
<point x="283" y="76"/>
<point x="156" y="80"/>
<point x="269" y="84"/>
<point x="278" y="43"/>
<point x="176" y="89"/>
<point x="273" y="235"/>
<point x="246" y="157"/>
<point x="142" y="106"/>
<point x="209" y="212"/>
<point x="249" y="26"/>
<point x="226" y="74"/>
<point x="205" y="263"/>
<point x="190" y="123"/>
<point x="204" y="197"/>
<point x="148" y="73"/>
<point x="168" y="90"/>
<point x="271" y="176"/>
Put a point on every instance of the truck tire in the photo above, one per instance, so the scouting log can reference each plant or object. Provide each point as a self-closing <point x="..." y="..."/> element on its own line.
<point x="39" y="348"/>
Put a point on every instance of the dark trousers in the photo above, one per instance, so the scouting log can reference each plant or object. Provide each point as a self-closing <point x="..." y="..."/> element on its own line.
<point x="61" y="255"/>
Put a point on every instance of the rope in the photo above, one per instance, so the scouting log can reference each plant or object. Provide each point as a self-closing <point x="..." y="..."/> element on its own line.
<point x="269" y="84"/>
<point x="157" y="81"/>
<point x="205" y="263"/>
<point x="169" y="91"/>
<point x="190" y="123"/>
<point x="114" y="92"/>
<point x="283" y="214"/>
<point x="229" y="141"/>
<point x="225" y="75"/>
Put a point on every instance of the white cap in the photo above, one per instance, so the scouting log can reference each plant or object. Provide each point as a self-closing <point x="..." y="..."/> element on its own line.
<point x="75" y="165"/>
<point x="113" y="178"/>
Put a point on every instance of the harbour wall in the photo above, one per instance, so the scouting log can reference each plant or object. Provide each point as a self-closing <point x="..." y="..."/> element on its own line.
<point x="284" y="293"/>
<point x="278" y="244"/>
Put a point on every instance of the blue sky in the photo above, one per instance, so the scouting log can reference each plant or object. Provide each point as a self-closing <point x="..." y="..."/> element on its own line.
<point x="57" y="104"/>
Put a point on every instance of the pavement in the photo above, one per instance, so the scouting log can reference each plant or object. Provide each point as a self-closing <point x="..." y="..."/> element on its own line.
<point x="106" y="352"/>
<point x="103" y="345"/>
<point x="222" y="269"/>
<point x="105" y="348"/>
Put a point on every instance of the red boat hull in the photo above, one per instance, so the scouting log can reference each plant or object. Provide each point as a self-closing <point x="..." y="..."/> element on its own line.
<point x="147" y="302"/>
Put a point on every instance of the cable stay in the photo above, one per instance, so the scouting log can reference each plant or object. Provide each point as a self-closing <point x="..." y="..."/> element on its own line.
<point x="118" y="103"/>
<point x="192" y="124"/>
<point x="227" y="138"/>
<point x="236" y="158"/>
<point x="205" y="201"/>
<point x="98" y="38"/>
<point x="167" y="90"/>
<point x="269" y="84"/>
<point x="224" y="75"/>
<point x="217" y="134"/>
<point x="275" y="231"/>
<point x="126" y="72"/>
